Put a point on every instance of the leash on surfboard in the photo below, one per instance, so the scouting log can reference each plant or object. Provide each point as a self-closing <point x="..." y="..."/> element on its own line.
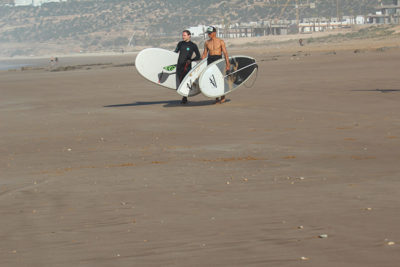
<point x="240" y="69"/>
<point x="252" y="64"/>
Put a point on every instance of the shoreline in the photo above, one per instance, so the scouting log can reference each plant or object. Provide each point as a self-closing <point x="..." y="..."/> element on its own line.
<point x="71" y="59"/>
<point x="116" y="59"/>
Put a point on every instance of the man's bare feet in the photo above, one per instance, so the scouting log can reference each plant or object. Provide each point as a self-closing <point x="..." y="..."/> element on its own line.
<point x="222" y="99"/>
<point x="217" y="101"/>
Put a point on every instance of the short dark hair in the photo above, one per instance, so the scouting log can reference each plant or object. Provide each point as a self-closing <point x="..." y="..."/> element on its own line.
<point x="188" y="32"/>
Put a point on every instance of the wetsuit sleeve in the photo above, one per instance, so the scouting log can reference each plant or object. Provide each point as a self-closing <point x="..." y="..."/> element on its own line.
<point x="196" y="50"/>
<point x="178" y="47"/>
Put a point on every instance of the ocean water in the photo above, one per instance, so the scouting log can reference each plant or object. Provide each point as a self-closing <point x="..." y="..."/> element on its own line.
<point x="12" y="66"/>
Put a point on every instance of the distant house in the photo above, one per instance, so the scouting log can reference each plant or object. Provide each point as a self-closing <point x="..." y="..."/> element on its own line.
<point x="7" y="3"/>
<point x="34" y="2"/>
<point x="354" y="20"/>
<point x="198" y="31"/>
<point x="23" y="2"/>
<point x="388" y="13"/>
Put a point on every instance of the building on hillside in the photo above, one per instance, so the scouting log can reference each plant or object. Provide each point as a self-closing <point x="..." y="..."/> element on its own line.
<point x="239" y="30"/>
<point x="23" y="2"/>
<point x="387" y="13"/>
<point x="7" y="3"/>
<point x="197" y="31"/>
<point x="357" y="20"/>
<point x="254" y="30"/>
<point x="34" y="2"/>
<point x="323" y="24"/>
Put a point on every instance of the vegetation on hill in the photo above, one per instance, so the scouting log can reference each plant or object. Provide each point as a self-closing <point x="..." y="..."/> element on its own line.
<point x="105" y="24"/>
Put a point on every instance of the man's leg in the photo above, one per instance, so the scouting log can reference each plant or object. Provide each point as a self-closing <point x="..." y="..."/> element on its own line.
<point x="180" y="73"/>
<point x="185" y="71"/>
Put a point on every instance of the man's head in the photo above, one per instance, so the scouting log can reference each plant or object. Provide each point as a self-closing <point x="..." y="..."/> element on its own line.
<point x="211" y="31"/>
<point x="186" y="35"/>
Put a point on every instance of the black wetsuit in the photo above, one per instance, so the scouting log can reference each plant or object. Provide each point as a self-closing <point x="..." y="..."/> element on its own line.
<point x="185" y="50"/>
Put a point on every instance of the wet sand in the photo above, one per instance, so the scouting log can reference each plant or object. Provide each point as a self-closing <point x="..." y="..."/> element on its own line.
<point x="99" y="167"/>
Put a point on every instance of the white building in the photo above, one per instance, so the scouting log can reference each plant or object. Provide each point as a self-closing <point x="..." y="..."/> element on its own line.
<point x="197" y="31"/>
<point x="23" y="2"/>
<point x="386" y="13"/>
<point x="354" y="20"/>
<point x="360" y="20"/>
<point x="34" y="2"/>
<point x="322" y="24"/>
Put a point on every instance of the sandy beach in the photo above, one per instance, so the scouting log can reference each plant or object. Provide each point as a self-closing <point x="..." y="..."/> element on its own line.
<point x="99" y="167"/>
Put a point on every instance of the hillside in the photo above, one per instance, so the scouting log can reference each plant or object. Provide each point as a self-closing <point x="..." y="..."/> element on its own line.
<point x="110" y="24"/>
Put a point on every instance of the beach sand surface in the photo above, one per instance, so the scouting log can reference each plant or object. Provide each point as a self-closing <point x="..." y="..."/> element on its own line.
<point x="99" y="167"/>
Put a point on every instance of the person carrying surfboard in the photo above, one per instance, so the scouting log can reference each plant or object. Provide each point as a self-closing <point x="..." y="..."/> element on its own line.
<point x="213" y="48"/>
<point x="186" y="48"/>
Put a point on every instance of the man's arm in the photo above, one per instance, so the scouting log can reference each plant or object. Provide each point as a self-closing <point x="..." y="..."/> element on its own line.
<point x="205" y="52"/>
<point x="223" y="47"/>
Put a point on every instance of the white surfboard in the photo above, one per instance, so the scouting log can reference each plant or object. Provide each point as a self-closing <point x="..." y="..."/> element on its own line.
<point x="158" y="66"/>
<point x="215" y="82"/>
<point x="190" y="84"/>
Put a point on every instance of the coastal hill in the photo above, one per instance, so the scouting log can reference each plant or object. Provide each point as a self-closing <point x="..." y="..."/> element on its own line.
<point x="96" y="25"/>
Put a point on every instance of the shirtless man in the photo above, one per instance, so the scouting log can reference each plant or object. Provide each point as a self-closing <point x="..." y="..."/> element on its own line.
<point x="213" y="48"/>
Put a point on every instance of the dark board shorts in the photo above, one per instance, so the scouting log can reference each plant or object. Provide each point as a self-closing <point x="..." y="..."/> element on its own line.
<point x="213" y="58"/>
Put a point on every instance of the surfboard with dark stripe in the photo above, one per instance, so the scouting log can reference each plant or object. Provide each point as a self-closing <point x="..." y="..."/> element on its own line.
<point x="215" y="81"/>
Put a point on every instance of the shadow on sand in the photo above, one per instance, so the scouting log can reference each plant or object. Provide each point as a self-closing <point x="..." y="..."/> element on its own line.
<point x="167" y="103"/>
<point x="380" y="90"/>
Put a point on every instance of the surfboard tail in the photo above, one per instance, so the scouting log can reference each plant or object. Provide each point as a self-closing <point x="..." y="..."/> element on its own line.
<point x="216" y="81"/>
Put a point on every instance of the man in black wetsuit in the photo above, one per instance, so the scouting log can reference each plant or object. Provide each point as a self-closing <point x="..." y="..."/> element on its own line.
<point x="184" y="65"/>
